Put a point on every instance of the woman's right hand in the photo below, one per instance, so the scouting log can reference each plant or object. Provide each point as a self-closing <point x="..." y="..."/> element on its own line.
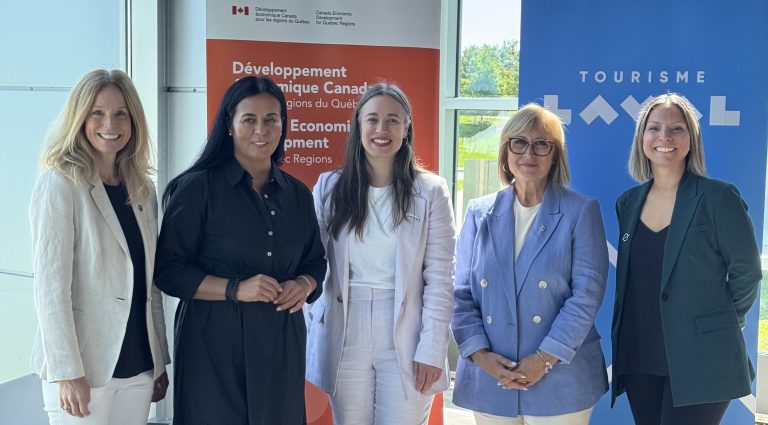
<point x="258" y="288"/>
<point x="74" y="396"/>
<point x="500" y="368"/>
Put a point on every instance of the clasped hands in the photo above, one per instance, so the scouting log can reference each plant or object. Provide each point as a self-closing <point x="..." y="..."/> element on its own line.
<point x="289" y="295"/>
<point x="512" y="375"/>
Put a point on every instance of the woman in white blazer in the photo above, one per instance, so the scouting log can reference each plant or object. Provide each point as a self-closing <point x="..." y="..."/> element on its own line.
<point x="378" y="336"/>
<point x="100" y="348"/>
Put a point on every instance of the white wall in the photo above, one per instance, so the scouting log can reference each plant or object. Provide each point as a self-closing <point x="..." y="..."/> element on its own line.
<point x="186" y="84"/>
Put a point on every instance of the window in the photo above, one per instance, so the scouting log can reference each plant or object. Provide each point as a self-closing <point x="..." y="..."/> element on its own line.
<point x="37" y="74"/>
<point x="479" y="92"/>
<point x="477" y="150"/>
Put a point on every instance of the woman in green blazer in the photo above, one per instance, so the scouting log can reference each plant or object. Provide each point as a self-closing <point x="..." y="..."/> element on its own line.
<point x="688" y="271"/>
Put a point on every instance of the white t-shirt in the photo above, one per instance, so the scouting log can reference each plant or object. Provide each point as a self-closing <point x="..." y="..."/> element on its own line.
<point x="372" y="258"/>
<point x="524" y="218"/>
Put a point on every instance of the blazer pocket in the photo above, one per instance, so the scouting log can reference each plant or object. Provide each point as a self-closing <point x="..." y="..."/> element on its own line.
<point x="318" y="311"/>
<point x="717" y="320"/>
<point x="696" y="228"/>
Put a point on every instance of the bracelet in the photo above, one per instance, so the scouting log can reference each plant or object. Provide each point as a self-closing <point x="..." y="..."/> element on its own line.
<point x="230" y="294"/>
<point x="309" y="284"/>
<point x="547" y="364"/>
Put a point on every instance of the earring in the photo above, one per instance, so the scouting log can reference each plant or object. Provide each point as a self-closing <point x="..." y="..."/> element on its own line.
<point x="230" y="133"/>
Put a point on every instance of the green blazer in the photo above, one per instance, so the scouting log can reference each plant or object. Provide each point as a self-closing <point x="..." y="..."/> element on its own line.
<point x="709" y="280"/>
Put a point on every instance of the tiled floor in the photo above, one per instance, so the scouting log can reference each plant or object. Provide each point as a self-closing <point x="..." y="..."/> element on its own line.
<point x="458" y="416"/>
<point x="455" y="415"/>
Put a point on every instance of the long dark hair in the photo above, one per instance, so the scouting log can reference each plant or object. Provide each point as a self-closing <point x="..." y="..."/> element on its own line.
<point x="219" y="147"/>
<point x="349" y="198"/>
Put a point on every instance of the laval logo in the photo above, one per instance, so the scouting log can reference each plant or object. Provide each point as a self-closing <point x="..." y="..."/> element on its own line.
<point x="240" y="10"/>
<point x="601" y="108"/>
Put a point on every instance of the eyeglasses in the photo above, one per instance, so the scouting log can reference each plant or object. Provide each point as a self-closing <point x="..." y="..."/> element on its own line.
<point x="540" y="147"/>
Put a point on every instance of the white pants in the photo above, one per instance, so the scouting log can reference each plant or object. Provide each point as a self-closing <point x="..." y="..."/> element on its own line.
<point x="120" y="402"/>
<point x="576" y="418"/>
<point x="370" y="388"/>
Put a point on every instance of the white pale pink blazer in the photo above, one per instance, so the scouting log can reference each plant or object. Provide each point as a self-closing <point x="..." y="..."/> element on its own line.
<point x="423" y="287"/>
<point x="84" y="280"/>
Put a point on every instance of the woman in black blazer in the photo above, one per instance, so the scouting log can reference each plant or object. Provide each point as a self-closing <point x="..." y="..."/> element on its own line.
<point x="688" y="271"/>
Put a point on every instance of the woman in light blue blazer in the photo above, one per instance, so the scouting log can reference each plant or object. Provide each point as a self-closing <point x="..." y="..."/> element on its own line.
<point x="378" y="335"/>
<point x="531" y="268"/>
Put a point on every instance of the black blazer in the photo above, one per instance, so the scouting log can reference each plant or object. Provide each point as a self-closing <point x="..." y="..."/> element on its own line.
<point x="709" y="280"/>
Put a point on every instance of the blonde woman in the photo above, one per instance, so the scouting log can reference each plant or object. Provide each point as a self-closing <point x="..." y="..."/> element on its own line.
<point x="100" y="348"/>
<point x="687" y="272"/>
<point x="531" y="270"/>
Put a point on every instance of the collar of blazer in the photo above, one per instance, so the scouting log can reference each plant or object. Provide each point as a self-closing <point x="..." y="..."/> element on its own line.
<point x="104" y="205"/>
<point x="410" y="239"/>
<point x="503" y="241"/>
<point x="686" y="201"/>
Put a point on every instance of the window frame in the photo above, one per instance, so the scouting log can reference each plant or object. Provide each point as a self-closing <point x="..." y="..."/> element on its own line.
<point x="450" y="101"/>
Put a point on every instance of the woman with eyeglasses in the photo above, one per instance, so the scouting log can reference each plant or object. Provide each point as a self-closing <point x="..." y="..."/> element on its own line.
<point x="531" y="269"/>
<point x="687" y="272"/>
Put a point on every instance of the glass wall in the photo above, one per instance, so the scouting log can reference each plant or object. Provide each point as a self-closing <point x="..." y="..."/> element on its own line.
<point x="45" y="48"/>
<point x="484" y="89"/>
<point x="477" y="148"/>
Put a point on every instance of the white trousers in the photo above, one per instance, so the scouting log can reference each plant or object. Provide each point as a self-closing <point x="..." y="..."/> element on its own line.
<point x="120" y="402"/>
<point x="370" y="388"/>
<point x="576" y="418"/>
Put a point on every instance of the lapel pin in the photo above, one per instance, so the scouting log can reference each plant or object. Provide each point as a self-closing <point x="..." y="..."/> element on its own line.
<point x="141" y="208"/>
<point x="542" y="228"/>
<point x="412" y="217"/>
<point x="625" y="237"/>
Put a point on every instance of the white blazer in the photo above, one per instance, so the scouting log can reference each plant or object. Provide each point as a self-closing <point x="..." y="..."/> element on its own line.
<point x="83" y="280"/>
<point x="423" y="287"/>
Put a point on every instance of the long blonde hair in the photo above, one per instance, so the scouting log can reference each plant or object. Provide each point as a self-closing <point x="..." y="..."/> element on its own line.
<point x="69" y="152"/>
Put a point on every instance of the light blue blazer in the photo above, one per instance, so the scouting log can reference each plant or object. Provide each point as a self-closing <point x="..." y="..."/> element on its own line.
<point x="547" y="299"/>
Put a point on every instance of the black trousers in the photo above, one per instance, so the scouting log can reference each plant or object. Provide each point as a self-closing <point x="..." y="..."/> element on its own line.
<point x="650" y="398"/>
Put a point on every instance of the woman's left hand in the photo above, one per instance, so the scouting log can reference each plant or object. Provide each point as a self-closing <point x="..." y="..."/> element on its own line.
<point x="160" y="387"/>
<point x="295" y="293"/>
<point x="426" y="376"/>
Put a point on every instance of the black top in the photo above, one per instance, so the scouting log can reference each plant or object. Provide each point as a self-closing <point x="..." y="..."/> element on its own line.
<point x="135" y="355"/>
<point x="641" y="338"/>
<point x="215" y="223"/>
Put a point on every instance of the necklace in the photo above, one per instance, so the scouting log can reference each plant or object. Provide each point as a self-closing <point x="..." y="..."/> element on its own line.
<point x="377" y="198"/>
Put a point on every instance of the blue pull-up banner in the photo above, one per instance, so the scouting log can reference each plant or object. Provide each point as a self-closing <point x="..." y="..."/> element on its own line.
<point x="595" y="62"/>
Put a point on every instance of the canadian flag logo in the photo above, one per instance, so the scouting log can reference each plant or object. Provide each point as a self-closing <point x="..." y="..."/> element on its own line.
<point x="239" y="10"/>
